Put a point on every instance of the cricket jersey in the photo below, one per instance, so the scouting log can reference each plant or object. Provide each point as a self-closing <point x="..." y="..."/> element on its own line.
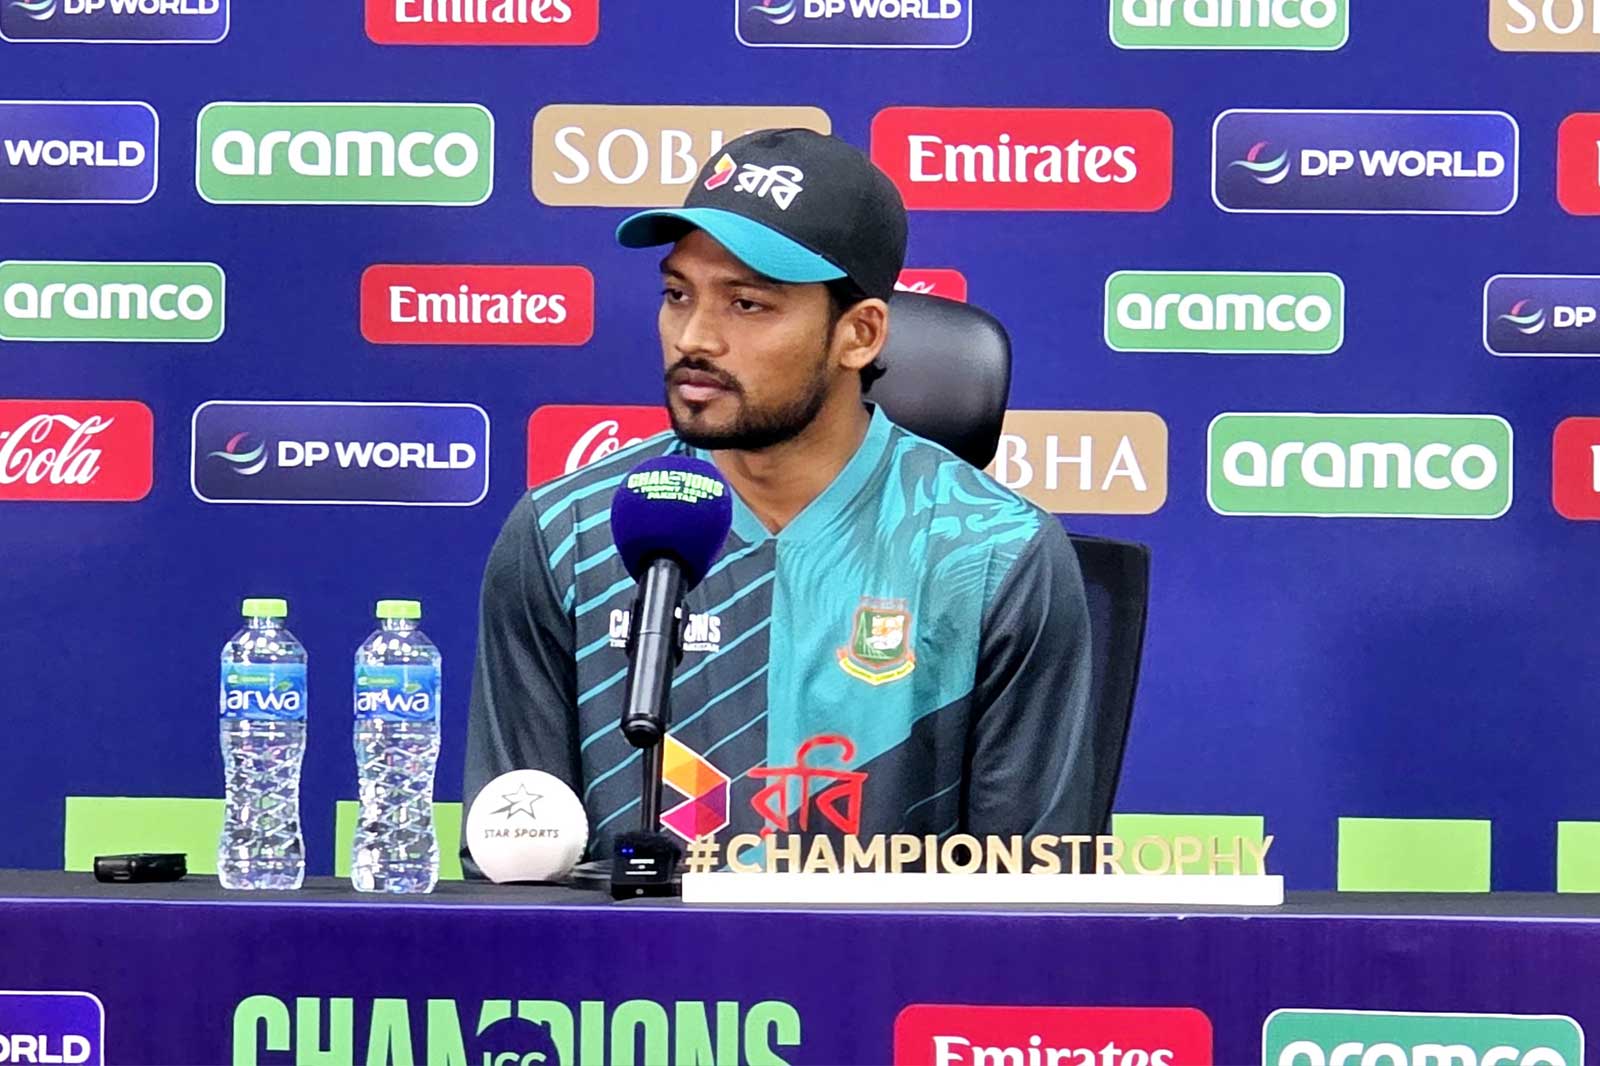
<point x="916" y="640"/>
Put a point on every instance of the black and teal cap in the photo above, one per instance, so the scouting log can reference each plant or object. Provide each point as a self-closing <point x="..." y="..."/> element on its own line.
<point x="795" y="205"/>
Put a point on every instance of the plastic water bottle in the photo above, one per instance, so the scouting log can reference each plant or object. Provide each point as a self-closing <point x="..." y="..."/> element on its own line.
<point x="263" y="733"/>
<point x="397" y="751"/>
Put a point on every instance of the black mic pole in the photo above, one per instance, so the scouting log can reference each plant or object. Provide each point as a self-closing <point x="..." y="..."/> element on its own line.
<point x="646" y="861"/>
<point x="655" y="651"/>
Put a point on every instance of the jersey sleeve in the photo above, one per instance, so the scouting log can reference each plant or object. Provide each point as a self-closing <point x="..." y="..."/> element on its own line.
<point x="523" y="713"/>
<point x="1032" y="747"/>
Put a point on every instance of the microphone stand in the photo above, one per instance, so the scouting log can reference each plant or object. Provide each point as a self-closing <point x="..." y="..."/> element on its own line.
<point x="645" y="862"/>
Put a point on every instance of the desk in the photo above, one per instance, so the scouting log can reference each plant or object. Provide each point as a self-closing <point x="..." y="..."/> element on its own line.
<point x="479" y="974"/>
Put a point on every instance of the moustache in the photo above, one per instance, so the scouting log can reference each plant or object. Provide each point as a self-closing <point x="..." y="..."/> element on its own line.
<point x="701" y="366"/>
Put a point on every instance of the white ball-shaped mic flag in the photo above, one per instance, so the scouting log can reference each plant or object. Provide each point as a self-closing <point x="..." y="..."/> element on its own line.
<point x="527" y="825"/>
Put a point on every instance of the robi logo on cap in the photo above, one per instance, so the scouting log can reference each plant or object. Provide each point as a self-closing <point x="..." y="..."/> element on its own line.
<point x="780" y="183"/>
<point x="723" y="172"/>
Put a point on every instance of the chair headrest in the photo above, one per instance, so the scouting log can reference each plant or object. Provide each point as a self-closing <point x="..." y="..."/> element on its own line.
<point x="948" y="374"/>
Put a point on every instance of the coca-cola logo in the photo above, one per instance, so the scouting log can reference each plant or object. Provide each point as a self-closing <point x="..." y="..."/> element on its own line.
<point x="950" y="284"/>
<point x="567" y="437"/>
<point x="79" y="450"/>
<point x="600" y="441"/>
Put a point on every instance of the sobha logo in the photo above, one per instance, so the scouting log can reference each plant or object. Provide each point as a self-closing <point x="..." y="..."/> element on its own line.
<point x="1307" y="25"/>
<point x="1384" y="1038"/>
<point x="72" y="301"/>
<point x="1220" y="313"/>
<point x="1359" y="465"/>
<point x="321" y="153"/>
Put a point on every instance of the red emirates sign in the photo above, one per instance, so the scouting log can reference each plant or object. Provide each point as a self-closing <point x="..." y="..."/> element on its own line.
<point x="950" y="284"/>
<point x="1575" y="469"/>
<point x="564" y="437"/>
<point x="77" y="450"/>
<point x="941" y="1035"/>
<point x="1026" y="159"/>
<point x="1578" y="164"/>
<point x="570" y="22"/>
<point x="477" y="304"/>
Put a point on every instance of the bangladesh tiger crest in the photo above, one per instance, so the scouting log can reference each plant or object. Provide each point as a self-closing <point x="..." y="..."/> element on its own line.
<point x="880" y="642"/>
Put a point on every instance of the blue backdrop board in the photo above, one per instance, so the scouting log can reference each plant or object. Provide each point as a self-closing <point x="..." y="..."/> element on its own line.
<point x="251" y="344"/>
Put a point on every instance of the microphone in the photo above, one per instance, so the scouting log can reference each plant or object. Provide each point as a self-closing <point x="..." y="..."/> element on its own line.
<point x="669" y="518"/>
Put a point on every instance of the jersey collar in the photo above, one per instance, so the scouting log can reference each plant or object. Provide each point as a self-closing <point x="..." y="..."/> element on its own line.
<point x="834" y="500"/>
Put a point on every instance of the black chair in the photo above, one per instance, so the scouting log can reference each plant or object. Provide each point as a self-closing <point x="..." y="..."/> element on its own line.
<point x="949" y="373"/>
<point x="1116" y="582"/>
<point x="949" y="378"/>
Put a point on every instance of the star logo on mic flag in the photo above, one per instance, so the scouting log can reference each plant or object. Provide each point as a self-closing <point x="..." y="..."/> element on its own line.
<point x="521" y="801"/>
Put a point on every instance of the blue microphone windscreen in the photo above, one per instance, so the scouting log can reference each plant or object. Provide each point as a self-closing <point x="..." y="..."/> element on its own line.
<point x="673" y="506"/>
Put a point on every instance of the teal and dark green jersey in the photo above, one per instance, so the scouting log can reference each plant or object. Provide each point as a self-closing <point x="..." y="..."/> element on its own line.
<point x="917" y="623"/>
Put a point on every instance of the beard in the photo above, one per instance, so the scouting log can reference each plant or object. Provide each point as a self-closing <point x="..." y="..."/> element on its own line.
<point x="754" y="428"/>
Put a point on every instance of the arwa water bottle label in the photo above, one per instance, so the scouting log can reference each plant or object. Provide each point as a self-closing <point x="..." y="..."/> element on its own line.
<point x="269" y="692"/>
<point x="397" y="693"/>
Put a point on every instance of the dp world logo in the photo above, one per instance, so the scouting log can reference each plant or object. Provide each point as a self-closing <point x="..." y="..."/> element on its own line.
<point x="1525" y="318"/>
<point x="59" y="1027"/>
<point x="417" y="454"/>
<point x="1542" y="314"/>
<point x="77" y="151"/>
<point x="778" y="12"/>
<point x="115" y="21"/>
<point x="1263" y="165"/>
<point x="1326" y="1037"/>
<point x="853" y="23"/>
<point x="245" y="455"/>
<point x="1365" y="162"/>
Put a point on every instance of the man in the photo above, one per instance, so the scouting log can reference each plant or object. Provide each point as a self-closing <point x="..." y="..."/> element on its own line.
<point x="917" y="629"/>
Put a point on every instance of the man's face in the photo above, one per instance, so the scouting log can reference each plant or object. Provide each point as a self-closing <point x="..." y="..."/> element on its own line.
<point x="748" y="360"/>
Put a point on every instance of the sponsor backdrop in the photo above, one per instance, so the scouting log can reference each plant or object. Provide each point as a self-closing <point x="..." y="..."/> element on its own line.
<point x="295" y="300"/>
